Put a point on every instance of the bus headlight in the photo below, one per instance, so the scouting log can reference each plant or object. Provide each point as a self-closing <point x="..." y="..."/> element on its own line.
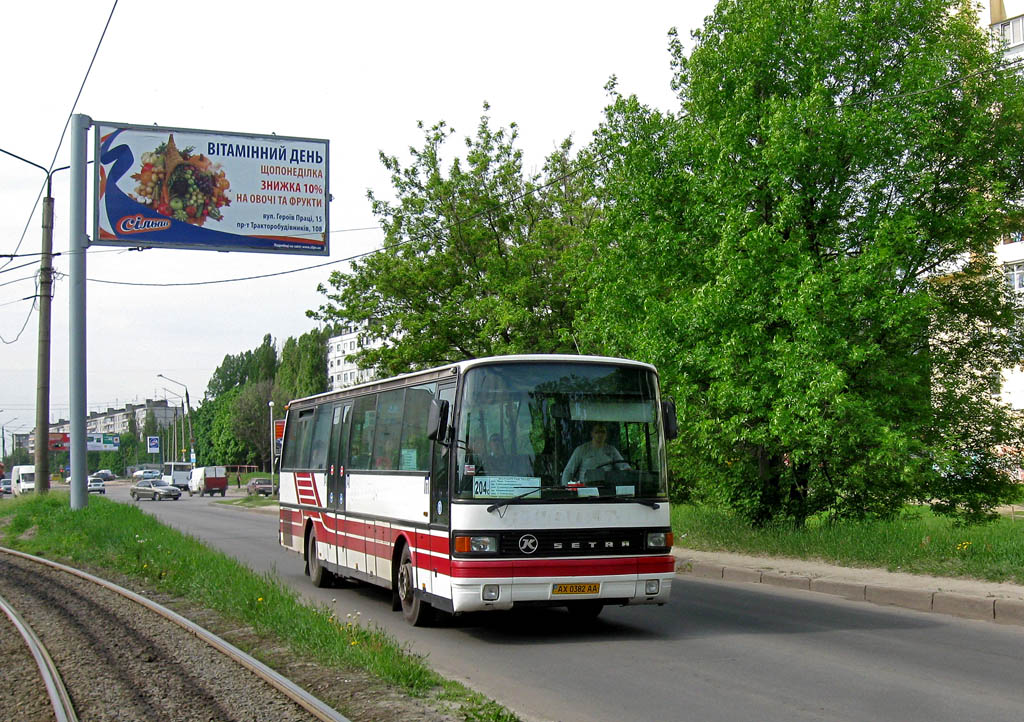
<point x="659" y="539"/>
<point x="476" y="544"/>
<point x="652" y="587"/>
<point x="491" y="592"/>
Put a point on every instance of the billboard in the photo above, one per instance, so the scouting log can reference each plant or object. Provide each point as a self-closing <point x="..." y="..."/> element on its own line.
<point x="158" y="187"/>
<point x="103" y="442"/>
<point x="152" y="444"/>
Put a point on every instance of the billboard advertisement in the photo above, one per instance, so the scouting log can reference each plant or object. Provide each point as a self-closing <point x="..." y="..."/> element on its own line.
<point x="158" y="187"/>
<point x="152" y="444"/>
<point x="103" y="442"/>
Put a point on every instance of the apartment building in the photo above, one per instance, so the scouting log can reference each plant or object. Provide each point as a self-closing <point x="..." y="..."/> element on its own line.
<point x="119" y="421"/>
<point x="1006" y="22"/>
<point x="341" y="371"/>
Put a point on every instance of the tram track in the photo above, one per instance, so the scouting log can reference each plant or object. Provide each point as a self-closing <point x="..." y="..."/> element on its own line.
<point x="124" y="657"/>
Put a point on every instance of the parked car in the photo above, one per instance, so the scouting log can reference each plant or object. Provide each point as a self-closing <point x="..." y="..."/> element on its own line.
<point x="155" y="489"/>
<point x="260" y="486"/>
<point x="105" y="475"/>
<point x="148" y="474"/>
<point x="97" y="485"/>
<point x="207" y="480"/>
<point x="5" y="486"/>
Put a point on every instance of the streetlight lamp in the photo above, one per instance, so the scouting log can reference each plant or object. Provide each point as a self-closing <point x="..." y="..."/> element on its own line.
<point x="272" y="440"/>
<point x="188" y="406"/>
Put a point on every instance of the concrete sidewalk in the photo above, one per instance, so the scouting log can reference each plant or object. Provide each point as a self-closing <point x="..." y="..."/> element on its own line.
<point x="968" y="598"/>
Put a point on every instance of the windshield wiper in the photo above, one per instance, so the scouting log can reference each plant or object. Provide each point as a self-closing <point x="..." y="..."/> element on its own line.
<point x="506" y="502"/>
<point x="645" y="502"/>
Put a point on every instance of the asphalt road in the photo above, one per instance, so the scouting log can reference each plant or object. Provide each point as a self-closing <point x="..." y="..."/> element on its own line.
<point x="717" y="651"/>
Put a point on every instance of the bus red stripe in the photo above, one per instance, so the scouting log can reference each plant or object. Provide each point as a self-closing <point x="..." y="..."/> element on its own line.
<point x="560" y="567"/>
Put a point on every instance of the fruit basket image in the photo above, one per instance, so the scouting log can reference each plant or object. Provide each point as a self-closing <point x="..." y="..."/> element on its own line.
<point x="181" y="184"/>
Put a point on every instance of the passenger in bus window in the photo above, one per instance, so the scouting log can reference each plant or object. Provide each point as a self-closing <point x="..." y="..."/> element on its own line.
<point x="593" y="454"/>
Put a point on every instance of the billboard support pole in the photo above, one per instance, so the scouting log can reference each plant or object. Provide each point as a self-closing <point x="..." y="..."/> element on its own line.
<point x="76" y="249"/>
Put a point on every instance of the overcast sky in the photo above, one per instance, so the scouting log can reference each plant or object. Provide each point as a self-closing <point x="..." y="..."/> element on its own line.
<point x="360" y="75"/>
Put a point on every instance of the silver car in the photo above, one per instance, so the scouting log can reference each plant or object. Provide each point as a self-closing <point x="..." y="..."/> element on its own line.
<point x="96" y="485"/>
<point x="155" y="489"/>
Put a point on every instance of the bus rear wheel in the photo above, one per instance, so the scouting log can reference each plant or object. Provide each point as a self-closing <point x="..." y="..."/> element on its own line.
<point x="416" y="612"/>
<point x="317" y="574"/>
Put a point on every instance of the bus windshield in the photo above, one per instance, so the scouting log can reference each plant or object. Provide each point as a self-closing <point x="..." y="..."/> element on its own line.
<point x="560" y="432"/>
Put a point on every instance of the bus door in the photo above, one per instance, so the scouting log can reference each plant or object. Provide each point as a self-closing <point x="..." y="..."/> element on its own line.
<point x="440" y="465"/>
<point x="337" y="460"/>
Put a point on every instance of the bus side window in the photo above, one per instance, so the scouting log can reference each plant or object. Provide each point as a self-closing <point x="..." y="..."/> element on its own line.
<point x="388" y="433"/>
<point x="297" y="436"/>
<point x="364" y="417"/>
<point x="321" y="435"/>
<point x="415" y="447"/>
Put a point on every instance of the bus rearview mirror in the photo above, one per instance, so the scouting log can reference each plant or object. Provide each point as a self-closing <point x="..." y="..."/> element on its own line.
<point x="668" y="413"/>
<point x="437" y="421"/>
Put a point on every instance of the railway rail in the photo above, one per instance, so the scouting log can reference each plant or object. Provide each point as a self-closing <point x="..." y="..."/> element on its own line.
<point x="120" y="656"/>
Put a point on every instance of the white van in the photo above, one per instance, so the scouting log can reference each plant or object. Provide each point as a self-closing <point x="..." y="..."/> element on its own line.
<point x="208" y="480"/>
<point x="23" y="479"/>
<point x="176" y="473"/>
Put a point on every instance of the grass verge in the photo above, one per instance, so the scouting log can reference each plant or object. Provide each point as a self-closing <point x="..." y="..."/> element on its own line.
<point x="917" y="542"/>
<point x="121" y="538"/>
<point x="249" y="502"/>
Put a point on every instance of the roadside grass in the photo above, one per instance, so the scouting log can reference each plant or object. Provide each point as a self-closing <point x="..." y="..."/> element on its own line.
<point x="917" y="541"/>
<point x="122" y="538"/>
<point x="249" y="502"/>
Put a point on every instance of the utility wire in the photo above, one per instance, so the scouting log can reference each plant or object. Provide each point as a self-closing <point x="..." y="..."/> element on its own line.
<point x="67" y="123"/>
<point x="28" y="317"/>
<point x="53" y="161"/>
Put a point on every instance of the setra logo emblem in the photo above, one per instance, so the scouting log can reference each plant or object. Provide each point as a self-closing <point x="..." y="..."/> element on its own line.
<point x="528" y="543"/>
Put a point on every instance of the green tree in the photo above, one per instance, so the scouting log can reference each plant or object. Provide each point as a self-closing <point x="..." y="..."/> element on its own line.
<point x="475" y="256"/>
<point x="806" y="251"/>
<point x="149" y="426"/>
<point x="252" y="420"/>
<point x="303" y="367"/>
<point x="258" y="364"/>
<point x="263" y="361"/>
<point x="214" y="426"/>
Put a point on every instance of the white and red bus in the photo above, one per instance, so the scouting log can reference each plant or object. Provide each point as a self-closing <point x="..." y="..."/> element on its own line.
<point x="451" y="488"/>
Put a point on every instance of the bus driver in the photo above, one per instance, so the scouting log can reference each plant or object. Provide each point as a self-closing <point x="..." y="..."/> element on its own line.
<point x="592" y="454"/>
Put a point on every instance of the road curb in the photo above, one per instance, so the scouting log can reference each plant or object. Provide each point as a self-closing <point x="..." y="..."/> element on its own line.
<point x="966" y="606"/>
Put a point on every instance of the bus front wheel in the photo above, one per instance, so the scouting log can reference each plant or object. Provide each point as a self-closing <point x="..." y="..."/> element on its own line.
<point x="417" y="612"/>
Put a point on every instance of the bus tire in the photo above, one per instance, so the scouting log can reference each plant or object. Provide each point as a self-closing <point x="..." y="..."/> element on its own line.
<point x="417" y="612"/>
<point x="317" y="574"/>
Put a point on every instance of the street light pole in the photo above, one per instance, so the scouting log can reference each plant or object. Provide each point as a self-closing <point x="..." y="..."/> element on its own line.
<point x="45" y="296"/>
<point x="272" y="440"/>
<point x="188" y="415"/>
<point x="174" y="425"/>
<point x="3" y="438"/>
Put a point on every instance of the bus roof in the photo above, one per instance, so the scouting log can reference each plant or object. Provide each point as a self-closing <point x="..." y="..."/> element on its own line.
<point x="460" y="367"/>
